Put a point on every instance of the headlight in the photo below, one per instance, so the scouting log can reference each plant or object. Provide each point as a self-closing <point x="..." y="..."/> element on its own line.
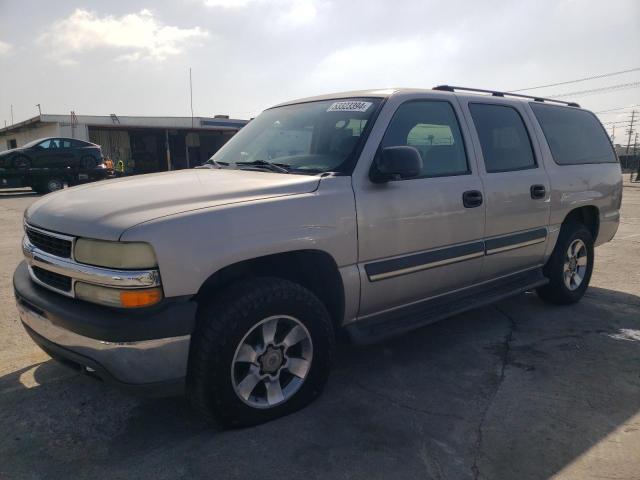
<point x="115" y="297"/>
<point x="115" y="254"/>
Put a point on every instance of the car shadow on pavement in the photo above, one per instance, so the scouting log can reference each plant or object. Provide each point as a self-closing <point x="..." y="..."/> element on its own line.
<point x="520" y="389"/>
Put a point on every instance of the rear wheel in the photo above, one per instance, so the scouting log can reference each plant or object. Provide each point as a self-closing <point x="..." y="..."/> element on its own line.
<point x="570" y="266"/>
<point x="53" y="184"/>
<point x="262" y="350"/>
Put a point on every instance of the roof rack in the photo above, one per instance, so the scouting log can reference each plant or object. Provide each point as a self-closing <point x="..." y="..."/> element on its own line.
<point x="449" y="88"/>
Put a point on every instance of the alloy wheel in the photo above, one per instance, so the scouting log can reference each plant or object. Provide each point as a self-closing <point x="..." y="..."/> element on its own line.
<point x="272" y="361"/>
<point x="54" y="184"/>
<point x="575" y="264"/>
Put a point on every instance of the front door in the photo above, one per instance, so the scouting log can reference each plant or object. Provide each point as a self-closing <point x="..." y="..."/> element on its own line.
<point x="416" y="237"/>
<point x="516" y="187"/>
<point x="51" y="155"/>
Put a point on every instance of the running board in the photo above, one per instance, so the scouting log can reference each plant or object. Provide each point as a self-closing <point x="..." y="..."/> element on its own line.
<point x="401" y="320"/>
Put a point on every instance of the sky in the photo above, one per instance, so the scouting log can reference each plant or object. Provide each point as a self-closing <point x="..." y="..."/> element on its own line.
<point x="133" y="57"/>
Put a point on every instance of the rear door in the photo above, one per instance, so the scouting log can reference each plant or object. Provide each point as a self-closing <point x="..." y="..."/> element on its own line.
<point x="416" y="237"/>
<point x="515" y="183"/>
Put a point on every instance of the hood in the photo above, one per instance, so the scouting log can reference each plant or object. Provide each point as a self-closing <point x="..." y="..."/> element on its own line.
<point x="105" y="209"/>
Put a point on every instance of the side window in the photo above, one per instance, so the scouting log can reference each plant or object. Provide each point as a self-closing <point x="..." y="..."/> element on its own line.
<point x="503" y="137"/>
<point x="432" y="128"/>
<point x="44" y="145"/>
<point x="574" y="136"/>
<point x="64" y="143"/>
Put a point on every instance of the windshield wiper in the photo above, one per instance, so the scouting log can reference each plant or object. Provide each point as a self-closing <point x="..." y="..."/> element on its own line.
<point x="274" y="167"/>
<point x="212" y="164"/>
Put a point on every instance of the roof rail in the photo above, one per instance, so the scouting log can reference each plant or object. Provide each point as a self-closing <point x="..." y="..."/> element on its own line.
<point x="449" y="88"/>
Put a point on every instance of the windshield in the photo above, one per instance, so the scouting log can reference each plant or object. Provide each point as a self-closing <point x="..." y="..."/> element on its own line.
<point x="312" y="137"/>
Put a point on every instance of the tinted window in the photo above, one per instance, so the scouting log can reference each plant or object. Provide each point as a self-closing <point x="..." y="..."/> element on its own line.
<point x="64" y="143"/>
<point x="503" y="137"/>
<point x="432" y="128"/>
<point x="574" y="136"/>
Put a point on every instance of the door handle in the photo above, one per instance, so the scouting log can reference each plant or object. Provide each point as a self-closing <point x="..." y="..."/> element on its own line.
<point x="538" y="191"/>
<point x="472" y="198"/>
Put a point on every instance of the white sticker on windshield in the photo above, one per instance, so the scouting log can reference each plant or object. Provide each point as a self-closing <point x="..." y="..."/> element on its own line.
<point x="349" y="106"/>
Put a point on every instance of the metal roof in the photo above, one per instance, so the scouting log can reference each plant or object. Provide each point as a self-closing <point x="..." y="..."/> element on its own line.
<point x="130" y="122"/>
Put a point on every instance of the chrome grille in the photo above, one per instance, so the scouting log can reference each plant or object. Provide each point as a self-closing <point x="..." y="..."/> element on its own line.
<point x="49" y="243"/>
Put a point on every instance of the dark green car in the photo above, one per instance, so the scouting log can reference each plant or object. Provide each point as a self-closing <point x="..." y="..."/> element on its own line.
<point x="47" y="164"/>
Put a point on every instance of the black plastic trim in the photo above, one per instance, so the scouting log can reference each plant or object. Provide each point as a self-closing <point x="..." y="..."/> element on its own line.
<point x="514" y="239"/>
<point x="423" y="259"/>
<point x="173" y="317"/>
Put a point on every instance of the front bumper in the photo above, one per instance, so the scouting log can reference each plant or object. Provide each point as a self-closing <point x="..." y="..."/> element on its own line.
<point x="141" y="350"/>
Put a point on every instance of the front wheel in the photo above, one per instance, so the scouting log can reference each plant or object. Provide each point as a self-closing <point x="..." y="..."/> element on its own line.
<point x="570" y="266"/>
<point x="262" y="350"/>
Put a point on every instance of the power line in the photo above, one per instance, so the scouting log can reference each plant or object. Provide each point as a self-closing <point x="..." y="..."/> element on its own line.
<point x="617" y="108"/>
<point x="594" y="77"/>
<point x="611" y="123"/>
<point x="594" y="91"/>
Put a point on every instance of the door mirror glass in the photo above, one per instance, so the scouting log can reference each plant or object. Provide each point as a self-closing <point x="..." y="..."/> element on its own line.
<point x="396" y="163"/>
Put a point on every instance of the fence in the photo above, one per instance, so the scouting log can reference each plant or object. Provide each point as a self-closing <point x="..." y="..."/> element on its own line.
<point x="629" y="163"/>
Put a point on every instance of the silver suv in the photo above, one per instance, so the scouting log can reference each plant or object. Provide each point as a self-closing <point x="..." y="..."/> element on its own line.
<point x="370" y="212"/>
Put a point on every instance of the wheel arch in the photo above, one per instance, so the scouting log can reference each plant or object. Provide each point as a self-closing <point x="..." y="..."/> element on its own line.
<point x="588" y="215"/>
<point x="315" y="270"/>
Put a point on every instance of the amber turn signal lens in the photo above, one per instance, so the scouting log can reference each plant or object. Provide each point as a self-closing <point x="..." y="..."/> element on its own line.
<point x="140" y="298"/>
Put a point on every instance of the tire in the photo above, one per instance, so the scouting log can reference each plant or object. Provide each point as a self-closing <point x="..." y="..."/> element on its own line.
<point x="219" y="370"/>
<point x="563" y="287"/>
<point x="53" y="184"/>
<point x="39" y="188"/>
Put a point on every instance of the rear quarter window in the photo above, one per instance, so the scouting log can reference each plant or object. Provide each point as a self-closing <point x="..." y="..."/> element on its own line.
<point x="574" y="136"/>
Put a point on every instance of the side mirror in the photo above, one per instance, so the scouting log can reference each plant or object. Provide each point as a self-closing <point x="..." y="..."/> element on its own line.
<point x="396" y="163"/>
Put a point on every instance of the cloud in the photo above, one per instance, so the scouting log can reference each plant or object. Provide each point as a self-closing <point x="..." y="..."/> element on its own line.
<point x="300" y="12"/>
<point x="5" y="49"/>
<point x="227" y="3"/>
<point x="400" y="62"/>
<point x="292" y="12"/>
<point x="137" y="35"/>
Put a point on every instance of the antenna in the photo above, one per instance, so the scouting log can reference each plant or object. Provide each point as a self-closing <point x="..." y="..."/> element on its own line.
<point x="191" y="96"/>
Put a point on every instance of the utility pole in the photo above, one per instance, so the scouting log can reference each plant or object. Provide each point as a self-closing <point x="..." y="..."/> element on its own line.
<point x="613" y="136"/>
<point x="633" y="116"/>
<point x="39" y="109"/>
<point x="11" y="114"/>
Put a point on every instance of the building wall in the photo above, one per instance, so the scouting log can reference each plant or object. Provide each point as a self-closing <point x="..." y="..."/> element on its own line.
<point x="114" y="143"/>
<point x="42" y="130"/>
<point x="80" y="132"/>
